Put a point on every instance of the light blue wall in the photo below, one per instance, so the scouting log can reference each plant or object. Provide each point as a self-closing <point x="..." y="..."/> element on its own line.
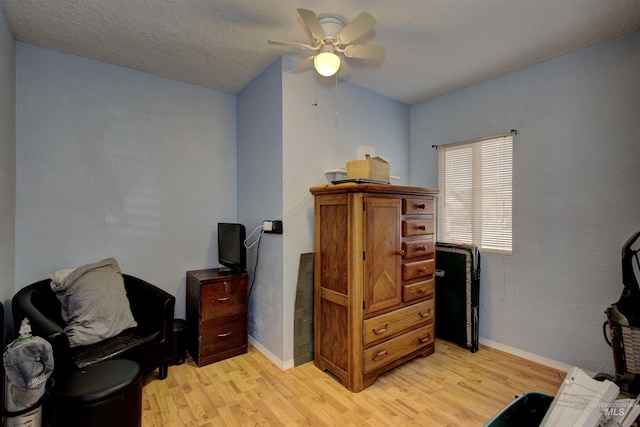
<point x="260" y="189"/>
<point x="317" y="138"/>
<point x="115" y="162"/>
<point x="284" y="146"/>
<point x="576" y="188"/>
<point x="7" y="162"/>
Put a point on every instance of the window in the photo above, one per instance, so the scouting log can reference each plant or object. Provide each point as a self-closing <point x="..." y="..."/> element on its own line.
<point x="476" y="193"/>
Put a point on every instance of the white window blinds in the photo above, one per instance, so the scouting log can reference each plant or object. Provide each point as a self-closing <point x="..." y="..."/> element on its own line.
<point x="476" y="193"/>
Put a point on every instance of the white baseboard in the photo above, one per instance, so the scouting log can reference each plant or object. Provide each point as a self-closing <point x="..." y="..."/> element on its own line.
<point x="526" y="355"/>
<point x="563" y="367"/>
<point x="283" y="365"/>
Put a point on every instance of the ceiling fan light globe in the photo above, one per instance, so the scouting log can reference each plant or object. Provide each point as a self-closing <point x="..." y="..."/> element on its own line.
<point x="326" y="63"/>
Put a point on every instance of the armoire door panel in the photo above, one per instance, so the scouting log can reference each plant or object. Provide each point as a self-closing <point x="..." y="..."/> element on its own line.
<point x="383" y="263"/>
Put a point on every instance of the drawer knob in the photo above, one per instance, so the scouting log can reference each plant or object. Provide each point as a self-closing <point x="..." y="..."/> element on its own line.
<point x="381" y="331"/>
<point x="224" y="299"/>
<point x="427" y="314"/>
<point x="422" y="269"/>
<point x="224" y="334"/>
<point x="400" y="252"/>
<point x="421" y="206"/>
<point x="379" y="355"/>
<point x="422" y="227"/>
<point x="425" y="339"/>
<point x="422" y="248"/>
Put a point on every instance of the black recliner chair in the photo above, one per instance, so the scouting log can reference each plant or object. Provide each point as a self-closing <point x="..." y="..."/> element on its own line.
<point x="150" y="343"/>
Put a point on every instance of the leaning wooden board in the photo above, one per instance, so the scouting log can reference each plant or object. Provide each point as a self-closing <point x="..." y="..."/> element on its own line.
<point x="457" y="293"/>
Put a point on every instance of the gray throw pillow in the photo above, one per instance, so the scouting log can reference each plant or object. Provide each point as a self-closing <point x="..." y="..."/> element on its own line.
<point x="94" y="302"/>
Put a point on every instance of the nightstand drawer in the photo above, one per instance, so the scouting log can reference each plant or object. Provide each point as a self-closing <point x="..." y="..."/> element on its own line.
<point x="223" y="334"/>
<point x="223" y="298"/>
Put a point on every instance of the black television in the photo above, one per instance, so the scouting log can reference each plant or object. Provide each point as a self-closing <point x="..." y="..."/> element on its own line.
<point x="232" y="254"/>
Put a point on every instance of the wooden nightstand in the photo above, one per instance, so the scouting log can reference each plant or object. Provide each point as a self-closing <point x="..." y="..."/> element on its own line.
<point x="216" y="315"/>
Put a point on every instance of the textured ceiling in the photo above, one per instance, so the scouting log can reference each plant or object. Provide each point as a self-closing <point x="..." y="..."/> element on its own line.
<point x="432" y="46"/>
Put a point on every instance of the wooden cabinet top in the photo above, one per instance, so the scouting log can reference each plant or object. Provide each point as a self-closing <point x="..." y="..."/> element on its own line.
<point x="354" y="187"/>
<point x="214" y="274"/>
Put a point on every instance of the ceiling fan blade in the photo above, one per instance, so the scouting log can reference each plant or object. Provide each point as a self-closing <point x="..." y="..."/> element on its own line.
<point x="311" y="21"/>
<point x="291" y="44"/>
<point x="303" y="65"/>
<point x="360" y="25"/>
<point x="364" y="51"/>
<point x="344" y="68"/>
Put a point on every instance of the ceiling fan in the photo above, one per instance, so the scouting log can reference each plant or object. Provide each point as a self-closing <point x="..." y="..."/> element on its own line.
<point x="330" y="36"/>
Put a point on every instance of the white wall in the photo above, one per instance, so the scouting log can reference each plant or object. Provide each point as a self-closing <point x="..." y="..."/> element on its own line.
<point x="576" y="187"/>
<point x="115" y="162"/>
<point x="7" y="162"/>
<point x="260" y="198"/>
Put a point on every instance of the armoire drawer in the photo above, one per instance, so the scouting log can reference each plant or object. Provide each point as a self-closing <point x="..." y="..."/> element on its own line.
<point x="397" y="347"/>
<point x="416" y="248"/>
<point x="417" y="269"/>
<point x="417" y="206"/>
<point x="417" y="227"/>
<point x="418" y="290"/>
<point x="389" y="324"/>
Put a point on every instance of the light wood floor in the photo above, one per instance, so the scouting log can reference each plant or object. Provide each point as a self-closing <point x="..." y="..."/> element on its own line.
<point x="452" y="387"/>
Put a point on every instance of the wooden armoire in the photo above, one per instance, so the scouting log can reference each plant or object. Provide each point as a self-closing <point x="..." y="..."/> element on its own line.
<point x="373" y="278"/>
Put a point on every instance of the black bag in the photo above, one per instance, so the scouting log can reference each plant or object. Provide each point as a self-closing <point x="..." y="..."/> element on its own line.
<point x="457" y="293"/>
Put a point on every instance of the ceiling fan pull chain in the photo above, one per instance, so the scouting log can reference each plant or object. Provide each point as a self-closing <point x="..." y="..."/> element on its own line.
<point x="315" y="89"/>
<point x="336" y="110"/>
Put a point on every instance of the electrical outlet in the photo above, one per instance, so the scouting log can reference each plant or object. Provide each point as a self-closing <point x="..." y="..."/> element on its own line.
<point x="274" y="226"/>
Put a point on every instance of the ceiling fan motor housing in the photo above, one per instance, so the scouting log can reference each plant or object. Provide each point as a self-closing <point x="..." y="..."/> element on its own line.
<point x="331" y="24"/>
